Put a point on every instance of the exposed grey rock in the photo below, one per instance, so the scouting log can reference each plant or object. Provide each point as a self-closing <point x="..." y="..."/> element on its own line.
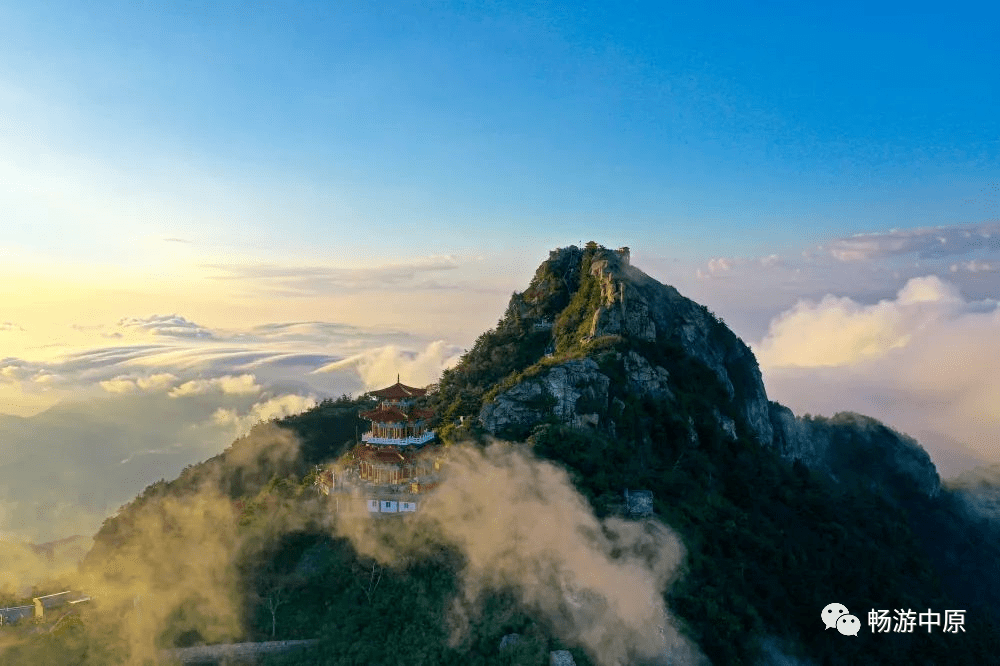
<point x="794" y="437"/>
<point x="852" y="446"/>
<point x="521" y="405"/>
<point x="727" y="425"/>
<point x="579" y="390"/>
<point x="573" y="380"/>
<point x="510" y="640"/>
<point x="646" y="379"/>
<point x="635" y="304"/>
<point x="561" y="658"/>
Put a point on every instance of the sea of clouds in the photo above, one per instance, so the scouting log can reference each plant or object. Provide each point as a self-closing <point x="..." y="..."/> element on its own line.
<point x="163" y="392"/>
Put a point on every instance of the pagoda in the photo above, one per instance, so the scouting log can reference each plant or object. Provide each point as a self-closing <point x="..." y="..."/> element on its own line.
<point x="395" y="460"/>
<point x="395" y="422"/>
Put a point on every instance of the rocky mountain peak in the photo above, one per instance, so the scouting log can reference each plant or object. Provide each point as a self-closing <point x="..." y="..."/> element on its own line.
<point x="593" y="332"/>
<point x="593" y="294"/>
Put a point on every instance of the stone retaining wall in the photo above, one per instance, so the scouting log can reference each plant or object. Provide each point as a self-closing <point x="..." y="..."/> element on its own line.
<point x="227" y="652"/>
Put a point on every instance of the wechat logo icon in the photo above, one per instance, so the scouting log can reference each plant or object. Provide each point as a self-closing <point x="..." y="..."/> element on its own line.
<point x="836" y="616"/>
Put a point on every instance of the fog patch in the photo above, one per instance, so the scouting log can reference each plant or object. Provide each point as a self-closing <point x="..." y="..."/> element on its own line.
<point x="25" y="564"/>
<point x="979" y="489"/>
<point x="521" y="525"/>
<point x="166" y="566"/>
<point x="262" y="412"/>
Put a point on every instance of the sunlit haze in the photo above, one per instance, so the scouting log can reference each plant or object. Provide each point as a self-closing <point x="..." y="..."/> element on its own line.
<point x="212" y="214"/>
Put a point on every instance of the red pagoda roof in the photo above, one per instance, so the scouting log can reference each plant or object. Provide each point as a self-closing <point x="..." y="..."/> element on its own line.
<point x="399" y="392"/>
<point x="384" y="414"/>
<point x="370" y="454"/>
<point x="392" y="454"/>
<point x="389" y="414"/>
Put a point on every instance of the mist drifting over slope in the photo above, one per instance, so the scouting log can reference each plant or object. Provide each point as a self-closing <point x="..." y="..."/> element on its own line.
<point x="521" y="525"/>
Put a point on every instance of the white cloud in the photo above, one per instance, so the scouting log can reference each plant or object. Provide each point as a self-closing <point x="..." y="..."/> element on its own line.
<point x="172" y="325"/>
<point x="928" y="289"/>
<point x="126" y="384"/>
<point x="839" y="331"/>
<point x="142" y="411"/>
<point x="717" y="267"/>
<point x="379" y="367"/>
<point x="238" y="362"/>
<point x="924" y="362"/>
<point x="156" y="382"/>
<point x="974" y="266"/>
<point x="46" y="380"/>
<point x="14" y="371"/>
<point x="237" y="385"/>
<point x="292" y="280"/>
<point x="927" y="242"/>
<point x="750" y="292"/>
<point x="261" y="412"/>
<point x="118" y="385"/>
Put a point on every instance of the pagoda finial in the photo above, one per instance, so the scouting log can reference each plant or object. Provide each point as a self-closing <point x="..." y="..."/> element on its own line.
<point x="397" y="377"/>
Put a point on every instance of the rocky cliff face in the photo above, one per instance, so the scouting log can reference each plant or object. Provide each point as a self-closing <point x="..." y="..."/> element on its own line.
<point x="633" y="305"/>
<point x="851" y="446"/>
<point x="646" y="379"/>
<point x="575" y="392"/>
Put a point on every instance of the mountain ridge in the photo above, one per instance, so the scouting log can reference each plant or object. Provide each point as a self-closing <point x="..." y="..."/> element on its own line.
<point x="627" y="304"/>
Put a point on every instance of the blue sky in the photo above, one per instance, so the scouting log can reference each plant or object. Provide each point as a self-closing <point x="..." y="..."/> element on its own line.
<point x="215" y="214"/>
<point x="687" y="128"/>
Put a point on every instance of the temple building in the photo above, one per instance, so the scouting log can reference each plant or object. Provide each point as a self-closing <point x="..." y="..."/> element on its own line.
<point x="389" y="452"/>
<point x="395" y="422"/>
<point x="396" y="460"/>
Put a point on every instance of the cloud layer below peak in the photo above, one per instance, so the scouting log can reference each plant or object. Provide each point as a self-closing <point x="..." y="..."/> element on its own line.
<point x="924" y="362"/>
<point x="68" y="466"/>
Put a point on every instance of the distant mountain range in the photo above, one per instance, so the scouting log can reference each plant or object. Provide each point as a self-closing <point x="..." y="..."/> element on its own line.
<point x="71" y="548"/>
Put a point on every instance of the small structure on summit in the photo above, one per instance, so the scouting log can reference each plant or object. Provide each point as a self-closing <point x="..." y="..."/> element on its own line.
<point x="48" y="602"/>
<point x="623" y="254"/>
<point x="15" y="614"/>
